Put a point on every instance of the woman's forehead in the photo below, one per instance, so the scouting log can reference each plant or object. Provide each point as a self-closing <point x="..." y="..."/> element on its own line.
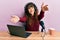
<point x="29" y="6"/>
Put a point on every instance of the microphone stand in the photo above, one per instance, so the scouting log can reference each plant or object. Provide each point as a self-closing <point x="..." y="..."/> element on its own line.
<point x="43" y="30"/>
<point x="43" y="34"/>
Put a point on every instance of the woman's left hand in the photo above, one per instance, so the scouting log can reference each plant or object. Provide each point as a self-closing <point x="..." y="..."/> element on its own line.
<point x="44" y="7"/>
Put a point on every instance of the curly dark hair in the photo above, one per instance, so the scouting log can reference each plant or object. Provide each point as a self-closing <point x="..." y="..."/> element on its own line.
<point x="28" y="5"/>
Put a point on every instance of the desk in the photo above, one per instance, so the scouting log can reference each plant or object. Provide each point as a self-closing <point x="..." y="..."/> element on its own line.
<point x="33" y="36"/>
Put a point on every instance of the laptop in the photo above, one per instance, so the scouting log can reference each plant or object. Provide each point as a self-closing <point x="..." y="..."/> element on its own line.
<point x="18" y="31"/>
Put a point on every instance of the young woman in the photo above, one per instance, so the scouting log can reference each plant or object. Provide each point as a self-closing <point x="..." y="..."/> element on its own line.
<point x="31" y="17"/>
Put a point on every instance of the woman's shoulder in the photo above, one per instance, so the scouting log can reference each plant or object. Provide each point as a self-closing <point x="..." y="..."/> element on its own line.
<point x="24" y="17"/>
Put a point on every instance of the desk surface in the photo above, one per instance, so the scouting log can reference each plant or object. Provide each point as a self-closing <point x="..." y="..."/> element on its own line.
<point x="33" y="36"/>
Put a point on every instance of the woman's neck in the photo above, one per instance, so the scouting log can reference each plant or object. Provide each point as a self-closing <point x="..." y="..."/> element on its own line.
<point x="32" y="14"/>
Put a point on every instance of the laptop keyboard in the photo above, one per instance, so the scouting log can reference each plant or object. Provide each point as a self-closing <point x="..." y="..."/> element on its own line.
<point x="27" y="34"/>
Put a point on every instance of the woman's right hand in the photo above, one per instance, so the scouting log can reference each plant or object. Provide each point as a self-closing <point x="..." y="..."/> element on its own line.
<point x="44" y="7"/>
<point x="14" y="19"/>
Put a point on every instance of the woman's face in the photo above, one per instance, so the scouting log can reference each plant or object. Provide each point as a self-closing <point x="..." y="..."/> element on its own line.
<point x="31" y="10"/>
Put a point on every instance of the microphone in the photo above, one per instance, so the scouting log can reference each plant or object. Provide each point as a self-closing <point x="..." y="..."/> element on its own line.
<point x="42" y="25"/>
